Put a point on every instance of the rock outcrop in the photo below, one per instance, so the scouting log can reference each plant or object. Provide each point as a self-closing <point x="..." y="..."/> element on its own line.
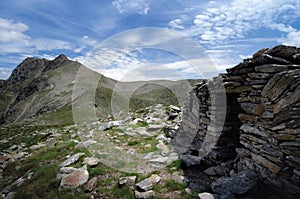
<point x="261" y="131"/>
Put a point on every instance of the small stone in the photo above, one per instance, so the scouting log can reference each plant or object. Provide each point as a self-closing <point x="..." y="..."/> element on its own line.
<point x="188" y="190"/>
<point x="74" y="158"/>
<point x="10" y="195"/>
<point x="162" y="137"/>
<point x="246" y="117"/>
<point x="174" y="108"/>
<point x="67" y="170"/>
<point x="205" y="195"/>
<point x="190" y="160"/>
<point x="297" y="172"/>
<point x="91" y="184"/>
<point x="85" y="144"/>
<point x="37" y="146"/>
<point x="266" y="163"/>
<point x="20" y="155"/>
<point x="91" y="161"/>
<point x="128" y="181"/>
<point x="144" y="195"/>
<point x="256" y="109"/>
<point x="164" y="148"/>
<point x="159" y="160"/>
<point x="142" y="131"/>
<point x="13" y="147"/>
<point x="216" y="170"/>
<point x="136" y="121"/>
<point x="144" y="185"/>
<point x="155" y="178"/>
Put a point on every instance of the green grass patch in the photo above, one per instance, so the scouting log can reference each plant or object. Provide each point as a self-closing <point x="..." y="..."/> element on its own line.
<point x="174" y="166"/>
<point x="133" y="143"/>
<point x="172" y="185"/>
<point x="122" y="192"/>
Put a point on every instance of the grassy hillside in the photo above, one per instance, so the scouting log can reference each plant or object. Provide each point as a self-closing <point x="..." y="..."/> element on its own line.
<point x="39" y="92"/>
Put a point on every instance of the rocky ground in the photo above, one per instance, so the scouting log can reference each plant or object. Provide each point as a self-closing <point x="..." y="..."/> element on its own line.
<point x="127" y="158"/>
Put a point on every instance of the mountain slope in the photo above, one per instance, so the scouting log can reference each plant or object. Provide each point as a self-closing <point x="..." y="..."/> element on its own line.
<point x="40" y="91"/>
<point x="38" y="86"/>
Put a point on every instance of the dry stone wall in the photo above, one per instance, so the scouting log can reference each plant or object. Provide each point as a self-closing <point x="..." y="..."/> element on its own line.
<point x="261" y="133"/>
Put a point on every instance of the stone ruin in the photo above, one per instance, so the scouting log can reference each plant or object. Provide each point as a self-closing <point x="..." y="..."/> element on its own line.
<point x="261" y="131"/>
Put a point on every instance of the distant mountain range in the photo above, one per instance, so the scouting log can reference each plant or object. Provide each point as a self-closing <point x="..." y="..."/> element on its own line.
<point x="39" y="91"/>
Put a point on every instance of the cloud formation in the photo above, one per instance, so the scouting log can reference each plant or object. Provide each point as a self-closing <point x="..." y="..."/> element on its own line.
<point x="14" y="39"/>
<point x="226" y="29"/>
<point x="132" y="6"/>
<point x="238" y="18"/>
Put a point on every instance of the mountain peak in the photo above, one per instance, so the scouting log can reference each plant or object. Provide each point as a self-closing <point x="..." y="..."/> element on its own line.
<point x="57" y="62"/>
<point x="29" y="68"/>
<point x="61" y="57"/>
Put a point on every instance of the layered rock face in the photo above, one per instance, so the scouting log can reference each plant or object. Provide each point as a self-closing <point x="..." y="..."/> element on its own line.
<point x="261" y="131"/>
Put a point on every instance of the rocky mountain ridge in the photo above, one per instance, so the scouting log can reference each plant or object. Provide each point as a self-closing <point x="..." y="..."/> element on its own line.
<point x="39" y="86"/>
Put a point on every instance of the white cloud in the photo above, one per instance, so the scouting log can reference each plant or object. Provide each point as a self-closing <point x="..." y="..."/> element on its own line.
<point x="121" y="54"/>
<point x="292" y="36"/>
<point x="224" y="27"/>
<point x="146" y="71"/>
<point x="13" y="39"/>
<point x="124" y="65"/>
<point x="50" y="44"/>
<point x="5" y="72"/>
<point x="176" y="24"/>
<point x="84" y="43"/>
<point x="219" y="23"/>
<point x="132" y="6"/>
<point x="10" y="31"/>
<point x="292" y="39"/>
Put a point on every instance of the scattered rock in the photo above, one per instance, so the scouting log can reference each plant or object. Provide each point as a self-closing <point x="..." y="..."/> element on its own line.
<point x="216" y="170"/>
<point x="85" y="144"/>
<point x="144" y="195"/>
<point x="162" y="137"/>
<point x="19" y="156"/>
<point x="91" y="161"/>
<point x="37" y="146"/>
<point x="91" y="184"/>
<point x="75" y="179"/>
<point x="13" y="147"/>
<point x="206" y="195"/>
<point x="170" y="132"/>
<point x="67" y="170"/>
<point x="190" y="160"/>
<point x="154" y="178"/>
<point x="128" y="181"/>
<point x="144" y="185"/>
<point x="159" y="160"/>
<point x="164" y="148"/>
<point x="108" y="125"/>
<point x="175" y="108"/>
<point x="74" y="158"/>
<point x="143" y="132"/>
<point x="136" y="121"/>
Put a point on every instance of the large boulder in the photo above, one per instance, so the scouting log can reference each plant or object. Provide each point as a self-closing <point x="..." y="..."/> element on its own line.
<point x="239" y="184"/>
<point x="75" y="179"/>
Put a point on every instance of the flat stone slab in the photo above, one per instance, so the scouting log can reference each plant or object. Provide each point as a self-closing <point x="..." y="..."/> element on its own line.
<point x="74" y="158"/>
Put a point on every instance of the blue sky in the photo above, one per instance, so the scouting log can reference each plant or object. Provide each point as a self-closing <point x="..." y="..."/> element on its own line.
<point x="228" y="31"/>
